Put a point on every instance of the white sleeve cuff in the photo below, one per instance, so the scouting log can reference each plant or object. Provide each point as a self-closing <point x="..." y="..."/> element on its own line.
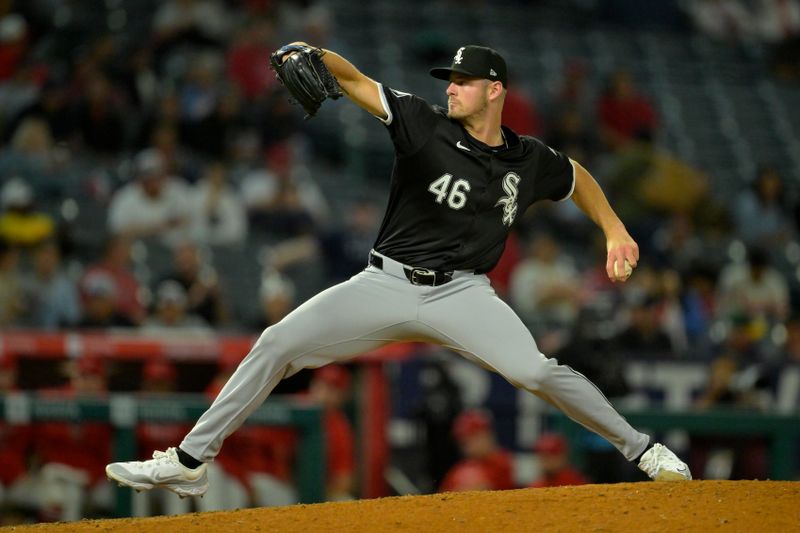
<point x="385" y="103"/>
<point x="571" y="189"/>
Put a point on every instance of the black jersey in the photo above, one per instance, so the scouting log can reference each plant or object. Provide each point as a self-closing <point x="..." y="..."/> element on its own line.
<point x="454" y="199"/>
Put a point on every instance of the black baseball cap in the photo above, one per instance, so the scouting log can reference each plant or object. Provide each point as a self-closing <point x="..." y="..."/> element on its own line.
<point x="478" y="61"/>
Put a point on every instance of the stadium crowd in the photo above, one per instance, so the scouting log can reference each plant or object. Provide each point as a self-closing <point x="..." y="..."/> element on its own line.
<point x="140" y="170"/>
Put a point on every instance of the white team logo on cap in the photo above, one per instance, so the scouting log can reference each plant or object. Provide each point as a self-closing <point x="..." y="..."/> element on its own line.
<point x="457" y="59"/>
<point x="509" y="201"/>
<point x="492" y="72"/>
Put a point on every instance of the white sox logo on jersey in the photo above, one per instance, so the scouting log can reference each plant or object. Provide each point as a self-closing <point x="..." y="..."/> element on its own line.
<point x="459" y="57"/>
<point x="509" y="201"/>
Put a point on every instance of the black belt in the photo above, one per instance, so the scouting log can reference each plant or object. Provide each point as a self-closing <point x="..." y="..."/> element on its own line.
<point x="417" y="275"/>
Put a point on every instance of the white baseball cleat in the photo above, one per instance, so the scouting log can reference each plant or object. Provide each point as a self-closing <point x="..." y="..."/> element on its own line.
<point x="662" y="465"/>
<point x="163" y="470"/>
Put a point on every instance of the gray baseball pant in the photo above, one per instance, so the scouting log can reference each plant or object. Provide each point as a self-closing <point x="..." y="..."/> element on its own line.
<point x="377" y="307"/>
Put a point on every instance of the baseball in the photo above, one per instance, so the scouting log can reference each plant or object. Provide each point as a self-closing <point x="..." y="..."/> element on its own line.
<point x="628" y="269"/>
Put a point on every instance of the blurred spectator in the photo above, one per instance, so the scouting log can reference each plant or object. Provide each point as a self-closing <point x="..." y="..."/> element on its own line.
<point x="677" y="243"/>
<point x="309" y="18"/>
<point x="51" y="298"/>
<point x="440" y="403"/>
<point x="281" y="199"/>
<point x="699" y="301"/>
<point x="725" y="20"/>
<point x="99" y="303"/>
<point x="11" y="295"/>
<point x="13" y="43"/>
<point x="52" y="107"/>
<point x="624" y="114"/>
<point x="573" y="93"/>
<point x="276" y="207"/>
<point x="475" y="435"/>
<point x="198" y="22"/>
<point x="277" y="296"/>
<point x="330" y="387"/>
<point x="193" y="271"/>
<point x="764" y="202"/>
<point x="158" y="378"/>
<point x="520" y="114"/>
<point x="141" y="81"/>
<point x="644" y="335"/>
<point x="21" y="90"/>
<point x="218" y="215"/>
<point x="74" y="454"/>
<point x="545" y="286"/>
<point x="178" y="163"/>
<point x="166" y="114"/>
<point x="20" y="224"/>
<point x="344" y="249"/>
<point x="754" y="288"/>
<point x="248" y="55"/>
<point x="553" y="454"/>
<point x="15" y="444"/>
<point x="671" y="314"/>
<point x="172" y="314"/>
<point x="500" y="275"/>
<point x="790" y="351"/>
<point x="115" y="266"/>
<point x="98" y="116"/>
<point x="214" y="134"/>
<point x="152" y="206"/>
<point x="778" y="24"/>
<point x="200" y="92"/>
<point x="31" y="156"/>
<point x="570" y="133"/>
<point x="737" y="375"/>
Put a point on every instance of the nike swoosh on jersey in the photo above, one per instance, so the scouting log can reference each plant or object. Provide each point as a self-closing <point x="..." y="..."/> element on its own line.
<point x="462" y="146"/>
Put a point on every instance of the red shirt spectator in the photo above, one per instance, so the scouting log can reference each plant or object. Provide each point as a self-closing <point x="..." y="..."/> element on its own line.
<point x="553" y="453"/>
<point x="566" y="476"/>
<point x="158" y="377"/>
<point x="84" y="446"/>
<point x="329" y="388"/>
<point x="116" y="265"/>
<point x="493" y="472"/>
<point x="486" y="465"/>
<point x="519" y="114"/>
<point x="15" y="440"/>
<point x="500" y="275"/>
<point x="624" y="114"/>
<point x="339" y="444"/>
<point x="248" y="60"/>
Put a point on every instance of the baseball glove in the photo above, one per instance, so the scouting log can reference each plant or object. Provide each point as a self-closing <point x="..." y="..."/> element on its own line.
<point x="305" y="75"/>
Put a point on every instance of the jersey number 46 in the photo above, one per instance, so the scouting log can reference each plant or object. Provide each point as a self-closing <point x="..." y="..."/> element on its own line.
<point x="456" y="197"/>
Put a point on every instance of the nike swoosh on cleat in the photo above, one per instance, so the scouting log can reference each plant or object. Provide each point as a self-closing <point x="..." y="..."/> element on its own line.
<point x="462" y="146"/>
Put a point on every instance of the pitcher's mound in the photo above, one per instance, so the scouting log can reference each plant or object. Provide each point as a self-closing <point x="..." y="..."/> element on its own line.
<point x="702" y="506"/>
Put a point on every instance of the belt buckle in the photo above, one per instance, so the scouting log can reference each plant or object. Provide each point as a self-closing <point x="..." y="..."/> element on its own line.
<point x="417" y="272"/>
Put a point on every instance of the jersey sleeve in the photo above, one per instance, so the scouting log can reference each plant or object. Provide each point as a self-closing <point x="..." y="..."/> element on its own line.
<point x="555" y="175"/>
<point x="410" y="119"/>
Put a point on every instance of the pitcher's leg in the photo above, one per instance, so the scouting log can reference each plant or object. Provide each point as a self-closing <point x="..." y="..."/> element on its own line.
<point x="474" y="321"/>
<point x="353" y="317"/>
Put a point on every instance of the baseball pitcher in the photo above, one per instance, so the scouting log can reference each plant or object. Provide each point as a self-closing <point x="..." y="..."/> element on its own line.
<point x="460" y="181"/>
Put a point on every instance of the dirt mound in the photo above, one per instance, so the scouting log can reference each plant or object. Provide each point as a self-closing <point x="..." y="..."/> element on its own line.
<point x="701" y="506"/>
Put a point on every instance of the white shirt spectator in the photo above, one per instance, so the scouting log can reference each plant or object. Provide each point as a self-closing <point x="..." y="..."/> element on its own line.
<point x="546" y="285"/>
<point x="152" y="206"/>
<point x="217" y="212"/>
<point x="761" y="292"/>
